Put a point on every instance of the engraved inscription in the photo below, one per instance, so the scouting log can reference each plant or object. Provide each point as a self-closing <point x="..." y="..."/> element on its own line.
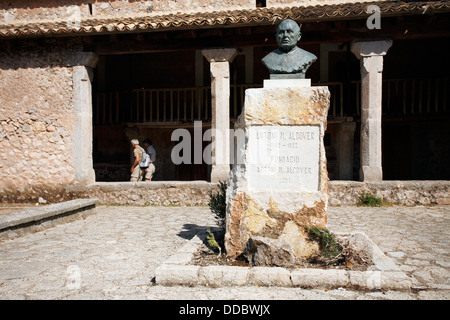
<point x="283" y="158"/>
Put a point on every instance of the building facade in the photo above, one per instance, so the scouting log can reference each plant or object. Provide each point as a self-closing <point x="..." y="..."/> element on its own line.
<point x="80" y="79"/>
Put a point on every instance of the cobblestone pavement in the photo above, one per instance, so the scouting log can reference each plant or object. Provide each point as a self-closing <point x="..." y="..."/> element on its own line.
<point x="113" y="254"/>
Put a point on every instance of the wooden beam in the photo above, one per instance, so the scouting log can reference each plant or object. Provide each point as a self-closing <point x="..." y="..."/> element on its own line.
<point x="396" y="28"/>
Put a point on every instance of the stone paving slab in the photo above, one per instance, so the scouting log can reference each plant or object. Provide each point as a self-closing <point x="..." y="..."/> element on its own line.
<point x="114" y="254"/>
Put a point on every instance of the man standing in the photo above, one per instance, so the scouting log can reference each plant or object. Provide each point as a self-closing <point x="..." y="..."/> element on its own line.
<point x="136" y="171"/>
<point x="152" y="152"/>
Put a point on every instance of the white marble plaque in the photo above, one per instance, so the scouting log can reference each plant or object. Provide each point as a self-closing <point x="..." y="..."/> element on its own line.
<point x="283" y="158"/>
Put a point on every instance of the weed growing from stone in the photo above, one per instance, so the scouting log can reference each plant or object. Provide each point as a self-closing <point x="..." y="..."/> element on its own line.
<point x="330" y="248"/>
<point x="217" y="203"/>
<point x="369" y="200"/>
<point x="212" y="241"/>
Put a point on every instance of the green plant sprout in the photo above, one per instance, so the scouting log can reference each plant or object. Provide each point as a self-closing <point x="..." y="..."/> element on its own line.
<point x="212" y="241"/>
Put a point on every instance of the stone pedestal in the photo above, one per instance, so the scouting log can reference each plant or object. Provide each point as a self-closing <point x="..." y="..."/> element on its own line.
<point x="279" y="185"/>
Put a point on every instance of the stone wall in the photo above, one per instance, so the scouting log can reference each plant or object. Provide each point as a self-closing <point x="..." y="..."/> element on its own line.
<point x="396" y="192"/>
<point x="196" y="193"/>
<point x="37" y="118"/>
<point x="170" y="193"/>
<point x="72" y="9"/>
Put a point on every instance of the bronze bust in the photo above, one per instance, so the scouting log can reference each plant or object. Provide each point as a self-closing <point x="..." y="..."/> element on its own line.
<point x="288" y="59"/>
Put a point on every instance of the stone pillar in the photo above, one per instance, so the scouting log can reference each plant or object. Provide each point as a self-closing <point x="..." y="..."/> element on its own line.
<point x="345" y="139"/>
<point x="220" y="93"/>
<point x="370" y="54"/>
<point x="82" y="64"/>
<point x="279" y="188"/>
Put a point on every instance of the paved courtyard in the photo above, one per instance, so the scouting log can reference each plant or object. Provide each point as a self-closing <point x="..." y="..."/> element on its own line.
<point x="113" y="254"/>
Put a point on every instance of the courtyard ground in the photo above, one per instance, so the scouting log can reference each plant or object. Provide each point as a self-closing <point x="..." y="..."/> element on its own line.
<point x="113" y="254"/>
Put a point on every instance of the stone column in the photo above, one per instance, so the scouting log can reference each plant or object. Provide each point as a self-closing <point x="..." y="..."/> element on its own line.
<point x="220" y="93"/>
<point x="83" y="64"/>
<point x="370" y="54"/>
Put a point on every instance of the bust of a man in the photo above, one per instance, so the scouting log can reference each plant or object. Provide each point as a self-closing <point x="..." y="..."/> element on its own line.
<point x="288" y="58"/>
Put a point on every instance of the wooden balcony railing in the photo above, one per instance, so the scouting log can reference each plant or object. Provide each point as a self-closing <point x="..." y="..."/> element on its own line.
<point x="184" y="105"/>
<point x="409" y="96"/>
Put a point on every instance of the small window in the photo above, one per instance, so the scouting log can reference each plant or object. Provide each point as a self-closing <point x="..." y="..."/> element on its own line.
<point x="260" y="3"/>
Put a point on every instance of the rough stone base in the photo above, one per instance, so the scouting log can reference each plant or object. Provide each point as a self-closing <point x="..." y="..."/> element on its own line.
<point x="197" y="192"/>
<point x="409" y="192"/>
<point x="158" y="193"/>
<point x="384" y="275"/>
<point x="247" y="219"/>
<point x="163" y="193"/>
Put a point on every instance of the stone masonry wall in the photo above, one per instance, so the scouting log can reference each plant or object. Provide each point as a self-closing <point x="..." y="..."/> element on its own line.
<point x="37" y="119"/>
<point x="69" y="9"/>
<point x="412" y="192"/>
<point x="197" y="193"/>
<point x="63" y="9"/>
<point x="180" y="193"/>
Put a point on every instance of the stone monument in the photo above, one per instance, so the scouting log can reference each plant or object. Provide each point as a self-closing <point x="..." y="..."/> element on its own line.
<point x="278" y="186"/>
